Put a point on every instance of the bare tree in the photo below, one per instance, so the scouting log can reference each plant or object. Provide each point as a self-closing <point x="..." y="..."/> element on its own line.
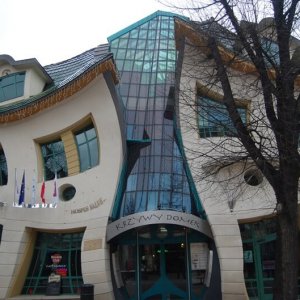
<point x="245" y="55"/>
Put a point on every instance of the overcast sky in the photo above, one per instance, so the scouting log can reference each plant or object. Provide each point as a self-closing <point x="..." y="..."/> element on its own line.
<point x="52" y="31"/>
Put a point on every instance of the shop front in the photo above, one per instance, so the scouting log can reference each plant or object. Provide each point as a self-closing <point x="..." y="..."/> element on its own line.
<point x="161" y="261"/>
<point x="55" y="265"/>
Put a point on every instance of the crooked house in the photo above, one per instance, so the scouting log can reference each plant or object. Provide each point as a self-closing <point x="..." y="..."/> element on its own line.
<point x="97" y="188"/>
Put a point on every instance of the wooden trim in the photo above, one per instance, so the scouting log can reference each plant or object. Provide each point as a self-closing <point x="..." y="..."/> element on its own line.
<point x="228" y="57"/>
<point x="71" y="153"/>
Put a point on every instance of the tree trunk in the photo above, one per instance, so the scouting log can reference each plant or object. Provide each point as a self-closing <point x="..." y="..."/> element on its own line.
<point x="286" y="277"/>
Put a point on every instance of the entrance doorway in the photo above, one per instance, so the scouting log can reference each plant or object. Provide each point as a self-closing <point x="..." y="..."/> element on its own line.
<point x="158" y="263"/>
<point x="259" y="258"/>
<point x="163" y="272"/>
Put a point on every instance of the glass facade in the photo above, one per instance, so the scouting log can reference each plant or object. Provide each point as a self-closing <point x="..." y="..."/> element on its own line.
<point x="12" y="86"/>
<point x="214" y="120"/>
<point x="54" y="160"/>
<point x="55" y="253"/>
<point x="145" y="55"/>
<point x="87" y="145"/>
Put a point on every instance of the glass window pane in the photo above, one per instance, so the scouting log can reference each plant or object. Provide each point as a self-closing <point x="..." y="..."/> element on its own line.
<point x="12" y="86"/>
<point x="88" y="148"/>
<point x="94" y="152"/>
<point x="84" y="157"/>
<point x="80" y="138"/>
<point x="54" y="160"/>
<point x="214" y="120"/>
<point x="91" y="133"/>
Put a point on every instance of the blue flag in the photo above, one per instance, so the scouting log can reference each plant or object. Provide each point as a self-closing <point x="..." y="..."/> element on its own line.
<point x="22" y="191"/>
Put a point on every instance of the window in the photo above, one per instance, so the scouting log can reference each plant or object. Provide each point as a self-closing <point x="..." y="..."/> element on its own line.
<point x="3" y="168"/>
<point x="87" y="144"/>
<point x="12" y="86"/>
<point x="54" y="160"/>
<point x="58" y="253"/>
<point x="214" y="120"/>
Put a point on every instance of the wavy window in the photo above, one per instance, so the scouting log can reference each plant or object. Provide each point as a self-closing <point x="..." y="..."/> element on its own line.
<point x="87" y="145"/>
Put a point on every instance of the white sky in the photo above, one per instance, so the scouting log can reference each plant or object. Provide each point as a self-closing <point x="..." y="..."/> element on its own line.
<point x="52" y="31"/>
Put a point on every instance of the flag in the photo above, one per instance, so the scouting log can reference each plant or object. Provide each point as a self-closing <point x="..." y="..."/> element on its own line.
<point x="33" y="190"/>
<point x="22" y="191"/>
<point x="55" y="193"/>
<point x="43" y="191"/>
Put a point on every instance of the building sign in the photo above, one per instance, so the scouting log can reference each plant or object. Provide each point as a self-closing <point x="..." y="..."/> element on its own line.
<point x="157" y="217"/>
<point x="199" y="255"/>
<point x="89" y="207"/>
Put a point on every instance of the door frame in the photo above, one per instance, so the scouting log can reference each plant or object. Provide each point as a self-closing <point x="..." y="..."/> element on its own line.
<point x="136" y="238"/>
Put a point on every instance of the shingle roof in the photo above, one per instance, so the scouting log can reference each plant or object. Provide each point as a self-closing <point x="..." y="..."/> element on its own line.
<point x="63" y="73"/>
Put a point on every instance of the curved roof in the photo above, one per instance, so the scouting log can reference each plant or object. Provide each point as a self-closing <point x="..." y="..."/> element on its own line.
<point x="62" y="75"/>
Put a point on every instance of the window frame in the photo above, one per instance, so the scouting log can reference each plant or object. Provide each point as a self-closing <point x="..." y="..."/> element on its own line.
<point x="13" y="84"/>
<point x="87" y="141"/>
<point x="60" y="174"/>
<point x="217" y="129"/>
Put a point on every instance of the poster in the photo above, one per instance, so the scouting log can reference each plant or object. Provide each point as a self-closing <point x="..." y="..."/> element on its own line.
<point x="199" y="254"/>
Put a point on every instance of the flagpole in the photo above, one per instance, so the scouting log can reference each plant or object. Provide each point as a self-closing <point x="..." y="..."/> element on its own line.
<point x="15" y="186"/>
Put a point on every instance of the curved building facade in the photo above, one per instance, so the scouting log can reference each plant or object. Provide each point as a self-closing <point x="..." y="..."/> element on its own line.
<point x="99" y="180"/>
<point x="158" y="229"/>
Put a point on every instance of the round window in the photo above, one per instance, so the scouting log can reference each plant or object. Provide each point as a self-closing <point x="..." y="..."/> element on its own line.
<point x="253" y="177"/>
<point x="67" y="192"/>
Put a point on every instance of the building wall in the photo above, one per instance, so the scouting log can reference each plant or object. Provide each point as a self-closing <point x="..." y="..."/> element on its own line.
<point x="226" y="202"/>
<point x="95" y="188"/>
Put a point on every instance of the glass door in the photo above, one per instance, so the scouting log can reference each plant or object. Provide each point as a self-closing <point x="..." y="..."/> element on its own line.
<point x="267" y="268"/>
<point x="155" y="264"/>
<point x="163" y="272"/>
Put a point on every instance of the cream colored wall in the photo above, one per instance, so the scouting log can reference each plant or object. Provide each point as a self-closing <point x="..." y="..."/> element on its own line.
<point x="215" y="191"/>
<point x="97" y="184"/>
<point x="33" y="84"/>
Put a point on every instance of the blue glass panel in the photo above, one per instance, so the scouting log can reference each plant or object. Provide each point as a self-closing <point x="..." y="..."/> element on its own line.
<point x="154" y="179"/>
<point x="165" y="181"/>
<point x="152" y="201"/>
<point x="141" y="201"/>
<point x="165" y="199"/>
<point x="150" y="57"/>
<point x="131" y="182"/>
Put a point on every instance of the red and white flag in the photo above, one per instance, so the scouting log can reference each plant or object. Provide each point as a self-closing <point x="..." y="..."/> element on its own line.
<point x="55" y="192"/>
<point x="43" y="188"/>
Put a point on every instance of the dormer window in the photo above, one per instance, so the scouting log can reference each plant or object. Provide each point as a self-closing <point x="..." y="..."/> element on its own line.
<point x="12" y="86"/>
